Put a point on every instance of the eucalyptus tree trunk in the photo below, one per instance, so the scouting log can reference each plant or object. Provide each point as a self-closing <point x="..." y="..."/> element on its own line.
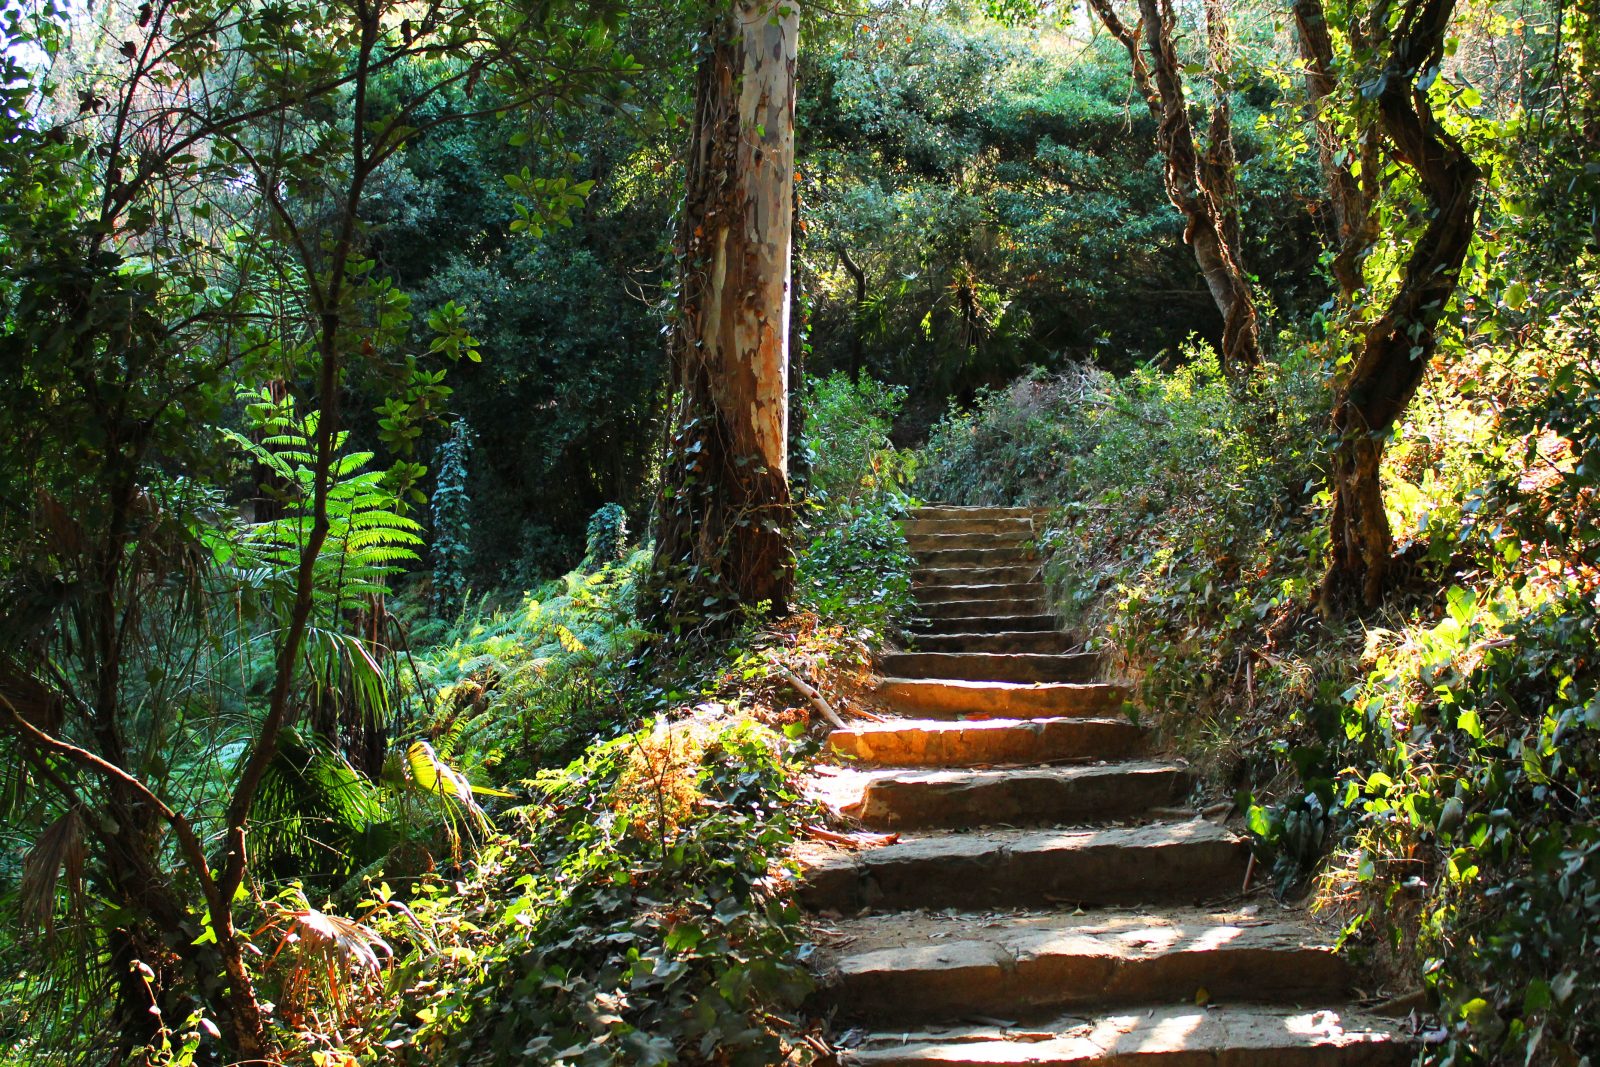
<point x="724" y="512"/>
<point x="1397" y="346"/>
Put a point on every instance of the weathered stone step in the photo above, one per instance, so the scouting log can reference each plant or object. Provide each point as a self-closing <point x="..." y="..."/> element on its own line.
<point x="936" y="541"/>
<point x="987" y="556"/>
<point x="992" y="666"/>
<point x="956" y="743"/>
<point x="1012" y="623"/>
<point x="1016" y="796"/>
<point x="981" y="511"/>
<point x="907" y="968"/>
<point x="966" y="592"/>
<point x="982" y="609"/>
<point x="946" y="526"/>
<point x="1003" y="641"/>
<point x="1222" y="1036"/>
<point x="946" y="696"/>
<point x="931" y="578"/>
<point x="1166" y="862"/>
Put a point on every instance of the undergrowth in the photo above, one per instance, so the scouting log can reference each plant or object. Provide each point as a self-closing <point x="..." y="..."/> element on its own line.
<point x="630" y="905"/>
<point x="1426" y="774"/>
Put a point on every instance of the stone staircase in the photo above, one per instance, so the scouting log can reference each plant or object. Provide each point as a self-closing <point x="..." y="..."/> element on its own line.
<point x="1042" y="900"/>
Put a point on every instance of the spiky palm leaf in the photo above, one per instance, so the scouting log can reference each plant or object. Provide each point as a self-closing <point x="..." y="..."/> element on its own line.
<point x="315" y="816"/>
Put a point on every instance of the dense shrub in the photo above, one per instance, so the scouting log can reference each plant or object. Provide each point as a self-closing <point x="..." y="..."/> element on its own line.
<point x="606" y="539"/>
<point x="529" y="685"/>
<point x="853" y="566"/>
<point x="633" y="917"/>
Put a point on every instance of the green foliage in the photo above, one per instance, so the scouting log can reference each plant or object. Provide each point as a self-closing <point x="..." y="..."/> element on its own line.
<point x="530" y="685"/>
<point x="636" y="920"/>
<point x="565" y="402"/>
<point x="369" y="538"/>
<point x="853" y="566"/>
<point x="606" y="540"/>
<point x="1434" y="767"/>
<point x="452" y="524"/>
<point x="999" y="193"/>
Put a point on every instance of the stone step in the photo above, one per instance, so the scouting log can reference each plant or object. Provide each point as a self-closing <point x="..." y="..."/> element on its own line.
<point x="937" y="595"/>
<point x="935" y="541"/>
<point x="981" y="609"/>
<point x="931" y="698"/>
<point x="958" y="743"/>
<point x="1001" y="556"/>
<point x="911" y="968"/>
<point x="992" y="666"/>
<point x="1006" y="622"/>
<point x="1015" y="796"/>
<point x="946" y="526"/>
<point x="1164" y="862"/>
<point x="1003" y="641"/>
<point x="1181" y="1036"/>
<point x="931" y="578"/>
<point x="983" y="511"/>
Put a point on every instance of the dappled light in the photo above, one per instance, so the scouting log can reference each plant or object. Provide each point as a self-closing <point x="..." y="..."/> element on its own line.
<point x="743" y="534"/>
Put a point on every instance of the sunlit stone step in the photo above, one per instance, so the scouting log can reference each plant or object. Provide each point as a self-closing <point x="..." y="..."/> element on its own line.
<point x="913" y="799"/>
<point x="948" y="525"/>
<point x="921" y="967"/>
<point x="986" y="556"/>
<point x="1181" y="1036"/>
<point x="935" y="697"/>
<point x="1164" y="862"/>
<point x="1031" y="620"/>
<point x="936" y="539"/>
<point x="1031" y="604"/>
<point x="934" y="578"/>
<point x="1003" y="641"/>
<point x="950" y="512"/>
<point x="972" y="743"/>
<point x="991" y="666"/>
<point x="935" y="595"/>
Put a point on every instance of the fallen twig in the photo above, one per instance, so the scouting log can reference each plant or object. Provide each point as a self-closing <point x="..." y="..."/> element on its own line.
<point x="864" y="839"/>
<point x="809" y="691"/>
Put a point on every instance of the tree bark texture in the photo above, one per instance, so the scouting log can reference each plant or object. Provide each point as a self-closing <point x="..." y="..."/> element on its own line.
<point x="1201" y="187"/>
<point x="1351" y="198"/>
<point x="725" y="511"/>
<point x="1397" y="346"/>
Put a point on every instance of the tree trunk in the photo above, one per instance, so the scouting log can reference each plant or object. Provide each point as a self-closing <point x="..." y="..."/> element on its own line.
<point x="1202" y="188"/>
<point x="858" y="313"/>
<point x="725" y="512"/>
<point x="1351" y="198"/>
<point x="1397" y="347"/>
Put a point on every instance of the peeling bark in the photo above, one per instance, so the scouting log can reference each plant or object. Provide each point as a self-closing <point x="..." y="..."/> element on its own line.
<point x="725" y="509"/>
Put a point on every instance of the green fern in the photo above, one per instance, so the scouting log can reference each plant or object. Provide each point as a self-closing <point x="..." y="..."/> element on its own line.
<point x="369" y="540"/>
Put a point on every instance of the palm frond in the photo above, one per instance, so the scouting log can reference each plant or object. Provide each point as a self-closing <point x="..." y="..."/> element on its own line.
<point x="312" y="812"/>
<point x="53" y="867"/>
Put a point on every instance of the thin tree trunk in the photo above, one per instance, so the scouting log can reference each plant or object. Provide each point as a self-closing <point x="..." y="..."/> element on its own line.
<point x="1350" y="197"/>
<point x="1397" y="347"/>
<point x="858" y="279"/>
<point x="1201" y="188"/>
<point x="725" y="511"/>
